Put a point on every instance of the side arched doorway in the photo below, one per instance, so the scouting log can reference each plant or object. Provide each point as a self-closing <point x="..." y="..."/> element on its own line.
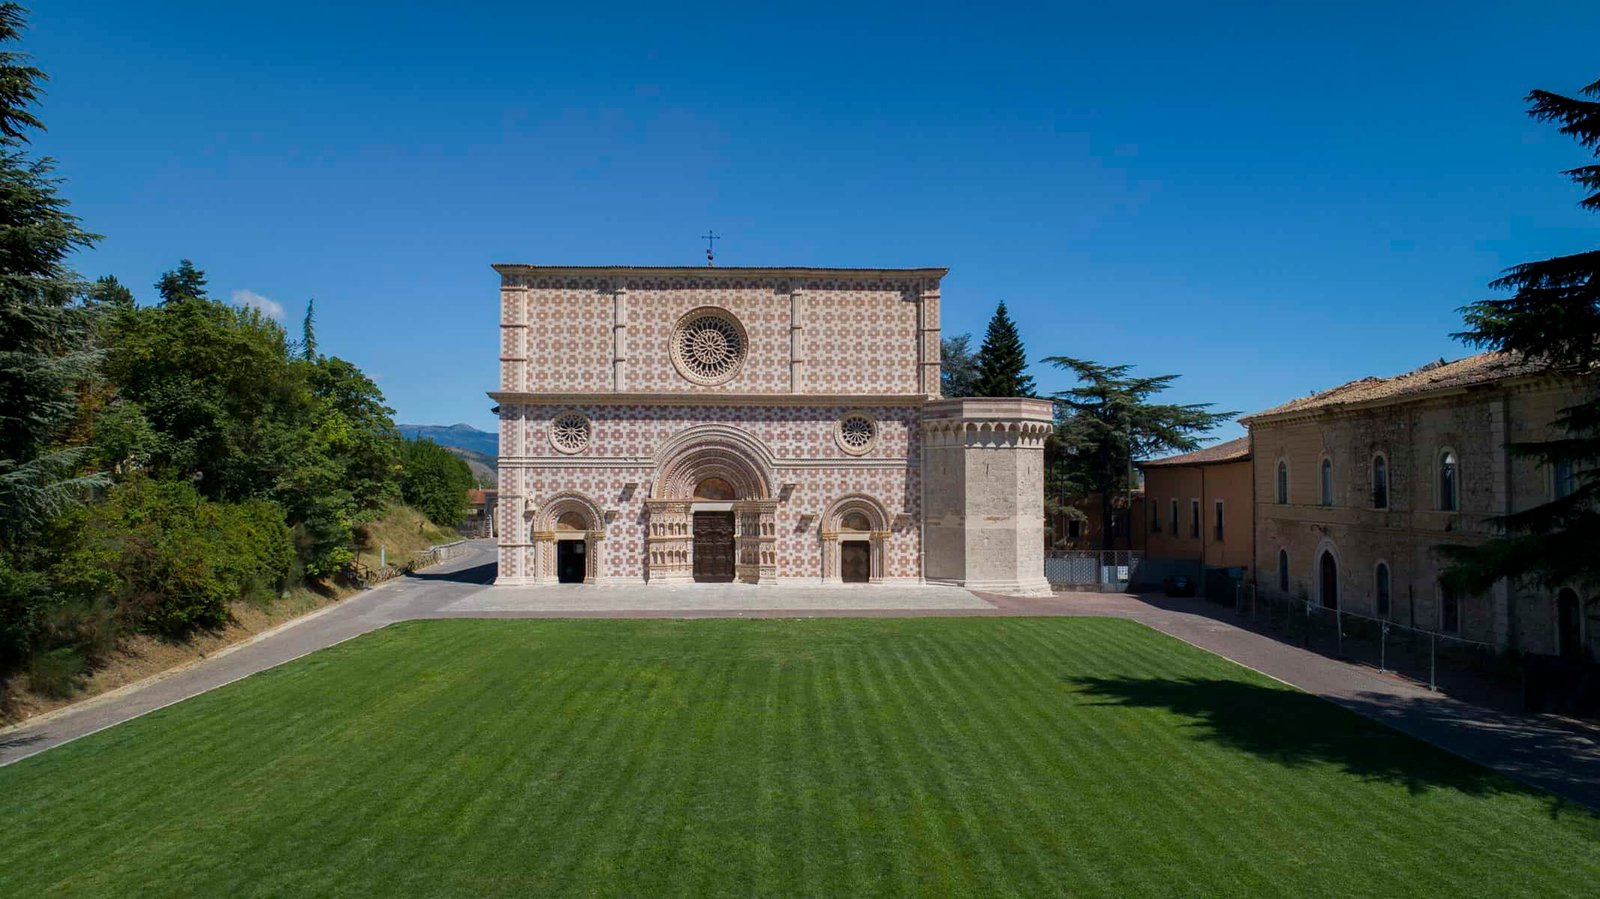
<point x="568" y="534"/>
<point x="854" y="532"/>
<point x="1328" y="580"/>
<point x="711" y="515"/>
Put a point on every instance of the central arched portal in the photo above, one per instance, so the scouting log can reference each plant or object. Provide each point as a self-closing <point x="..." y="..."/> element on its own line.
<point x="712" y="517"/>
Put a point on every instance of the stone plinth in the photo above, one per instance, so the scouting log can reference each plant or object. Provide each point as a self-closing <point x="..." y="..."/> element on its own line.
<point x="983" y="493"/>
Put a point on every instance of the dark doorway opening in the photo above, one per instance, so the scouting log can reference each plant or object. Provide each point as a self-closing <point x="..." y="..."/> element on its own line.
<point x="1569" y="625"/>
<point x="855" y="561"/>
<point x="1329" y="573"/>
<point x="713" y="547"/>
<point x="571" y="561"/>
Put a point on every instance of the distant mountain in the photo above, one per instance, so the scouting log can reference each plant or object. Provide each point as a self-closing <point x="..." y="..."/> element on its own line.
<point x="459" y="436"/>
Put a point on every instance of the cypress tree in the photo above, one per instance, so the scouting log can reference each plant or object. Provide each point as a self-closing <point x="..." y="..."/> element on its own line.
<point x="1002" y="362"/>
<point x="1553" y="318"/>
<point x="308" y="333"/>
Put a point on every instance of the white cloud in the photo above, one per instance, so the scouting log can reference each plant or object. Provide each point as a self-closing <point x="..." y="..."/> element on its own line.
<point x="269" y="307"/>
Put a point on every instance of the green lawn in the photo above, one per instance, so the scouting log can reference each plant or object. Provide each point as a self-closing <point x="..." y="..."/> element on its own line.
<point x="821" y="757"/>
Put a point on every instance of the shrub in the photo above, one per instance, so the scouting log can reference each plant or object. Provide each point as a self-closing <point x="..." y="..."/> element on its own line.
<point x="168" y="560"/>
<point x="55" y="672"/>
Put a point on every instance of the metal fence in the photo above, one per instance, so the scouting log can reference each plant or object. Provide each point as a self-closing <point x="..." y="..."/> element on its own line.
<point x="1092" y="569"/>
<point x="1426" y="655"/>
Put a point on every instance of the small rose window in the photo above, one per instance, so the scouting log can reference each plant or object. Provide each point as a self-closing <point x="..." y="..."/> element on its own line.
<point x="569" y="433"/>
<point x="857" y="433"/>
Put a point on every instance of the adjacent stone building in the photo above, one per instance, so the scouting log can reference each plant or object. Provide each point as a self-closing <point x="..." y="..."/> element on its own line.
<point x="764" y="425"/>
<point x="1198" y="516"/>
<point x="1356" y="486"/>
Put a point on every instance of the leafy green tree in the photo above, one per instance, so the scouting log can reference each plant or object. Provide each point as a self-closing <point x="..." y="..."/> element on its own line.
<point x="217" y="383"/>
<point x="1553" y="318"/>
<point x="435" y="481"/>
<point x="1107" y="421"/>
<point x="186" y="284"/>
<point x="44" y="337"/>
<point x="1002" y="362"/>
<point x="958" y="369"/>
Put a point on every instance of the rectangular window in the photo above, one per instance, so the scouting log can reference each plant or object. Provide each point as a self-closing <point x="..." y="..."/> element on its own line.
<point x="1074" y="529"/>
<point x="1449" y="610"/>
<point x="1219" y="519"/>
<point x="1194" y="518"/>
<point x="1173" y="518"/>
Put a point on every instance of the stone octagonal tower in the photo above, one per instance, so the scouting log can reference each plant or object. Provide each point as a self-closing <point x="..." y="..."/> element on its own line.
<point x="983" y="494"/>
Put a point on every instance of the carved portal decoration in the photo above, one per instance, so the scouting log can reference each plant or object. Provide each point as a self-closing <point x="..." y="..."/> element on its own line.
<point x="709" y="346"/>
<point x="569" y="433"/>
<point x="724" y="469"/>
<point x="853" y="518"/>
<point x="566" y="516"/>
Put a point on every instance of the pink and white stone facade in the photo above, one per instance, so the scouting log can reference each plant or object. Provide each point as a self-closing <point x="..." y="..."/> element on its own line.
<point x="632" y="398"/>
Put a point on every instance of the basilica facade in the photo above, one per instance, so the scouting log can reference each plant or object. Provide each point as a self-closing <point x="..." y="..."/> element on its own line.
<point x="679" y="425"/>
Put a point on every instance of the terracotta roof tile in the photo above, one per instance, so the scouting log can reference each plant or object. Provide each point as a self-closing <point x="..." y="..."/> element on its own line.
<point x="1484" y="368"/>
<point x="1234" y="450"/>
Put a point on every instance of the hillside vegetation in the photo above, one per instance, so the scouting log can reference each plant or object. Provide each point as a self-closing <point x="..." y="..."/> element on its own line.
<point x="161" y="464"/>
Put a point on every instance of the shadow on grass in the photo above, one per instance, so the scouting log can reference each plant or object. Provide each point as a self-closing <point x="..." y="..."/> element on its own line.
<point x="477" y="574"/>
<point x="1297" y="729"/>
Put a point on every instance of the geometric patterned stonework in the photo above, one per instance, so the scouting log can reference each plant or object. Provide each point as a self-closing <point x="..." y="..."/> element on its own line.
<point x="614" y="418"/>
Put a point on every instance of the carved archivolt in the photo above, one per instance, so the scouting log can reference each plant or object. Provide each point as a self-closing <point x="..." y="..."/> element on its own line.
<point x="713" y="451"/>
<point x="877" y="519"/>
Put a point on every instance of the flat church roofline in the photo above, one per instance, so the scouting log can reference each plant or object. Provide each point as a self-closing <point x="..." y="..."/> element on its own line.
<point x="507" y="268"/>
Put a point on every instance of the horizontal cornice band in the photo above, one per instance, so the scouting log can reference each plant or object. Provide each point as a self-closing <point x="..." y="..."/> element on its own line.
<point x="708" y="398"/>
<point x="647" y="462"/>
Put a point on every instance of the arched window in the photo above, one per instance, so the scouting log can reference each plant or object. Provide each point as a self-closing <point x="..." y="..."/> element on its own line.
<point x="1380" y="589"/>
<point x="1327" y="482"/>
<point x="1449" y="482"/>
<point x="1328" y="580"/>
<point x="1283" y="483"/>
<point x="1380" y="482"/>
<point x="1283" y="571"/>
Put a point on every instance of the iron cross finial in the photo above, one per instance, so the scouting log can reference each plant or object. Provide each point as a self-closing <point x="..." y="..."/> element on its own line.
<point x="710" y="237"/>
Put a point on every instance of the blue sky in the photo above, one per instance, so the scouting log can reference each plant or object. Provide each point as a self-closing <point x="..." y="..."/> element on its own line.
<point x="1269" y="199"/>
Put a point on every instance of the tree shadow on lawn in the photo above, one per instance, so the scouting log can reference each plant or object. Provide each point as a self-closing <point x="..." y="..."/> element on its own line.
<point x="1298" y="729"/>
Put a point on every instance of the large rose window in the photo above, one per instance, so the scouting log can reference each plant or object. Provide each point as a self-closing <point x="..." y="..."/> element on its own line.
<point x="708" y="346"/>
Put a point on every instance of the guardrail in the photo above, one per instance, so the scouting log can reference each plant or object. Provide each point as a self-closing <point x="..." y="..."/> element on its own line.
<point x="1397" y="647"/>
<point x="433" y="555"/>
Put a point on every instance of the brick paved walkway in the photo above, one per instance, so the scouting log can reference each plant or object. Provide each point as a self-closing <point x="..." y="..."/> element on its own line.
<point x="1552" y="753"/>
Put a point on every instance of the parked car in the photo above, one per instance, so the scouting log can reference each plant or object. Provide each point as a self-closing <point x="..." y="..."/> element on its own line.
<point x="1178" y="585"/>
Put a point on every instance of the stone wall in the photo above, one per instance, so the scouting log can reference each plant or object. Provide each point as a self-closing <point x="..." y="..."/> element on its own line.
<point x="1411" y="436"/>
